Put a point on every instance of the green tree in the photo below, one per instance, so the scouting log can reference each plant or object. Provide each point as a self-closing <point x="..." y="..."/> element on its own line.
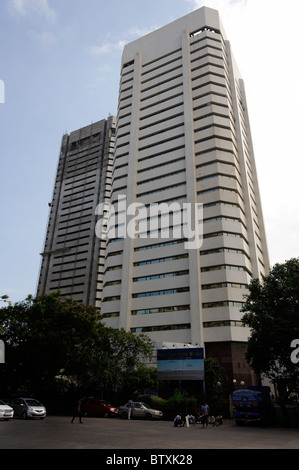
<point x="51" y="336"/>
<point x="142" y="378"/>
<point x="44" y="336"/>
<point x="116" y="359"/>
<point x="271" y="311"/>
<point x="214" y="376"/>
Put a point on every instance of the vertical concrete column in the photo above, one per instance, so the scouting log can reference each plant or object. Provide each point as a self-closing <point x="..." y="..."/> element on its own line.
<point x="194" y="255"/>
<point x="128" y="246"/>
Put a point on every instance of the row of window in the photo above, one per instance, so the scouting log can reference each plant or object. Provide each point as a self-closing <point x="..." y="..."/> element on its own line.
<point x="149" y="294"/>
<point x="181" y="256"/>
<point x="222" y="217"/>
<point x="160" y="165"/>
<point x="86" y="141"/>
<point x="185" y="326"/>
<point x="86" y="182"/>
<point x="159" y="245"/>
<point x="218" y="161"/>
<point x="148" y="311"/>
<point x="149" y="329"/>
<point x="111" y="298"/>
<point x="209" y="176"/>
<point x="72" y="270"/>
<point x="82" y="171"/>
<point x="222" y="233"/>
<point x="77" y="159"/>
<point x="220" y="188"/>
<point x="163" y="188"/>
<point x="213" y="324"/>
<point x="69" y="240"/>
<point x="161" y="260"/>
<point x="226" y="267"/>
<point x="161" y="292"/>
<point x="77" y="226"/>
<point x="216" y="285"/>
<point x="209" y="324"/>
<point x="154" y="144"/>
<point x="173" y="173"/>
<point x="220" y="285"/>
<point x="76" y="255"/>
<point x="223" y="203"/>
<point x="217" y="175"/>
<point x="161" y="276"/>
<point x="224" y="303"/>
<point x="223" y="250"/>
<point x="112" y="283"/>
<point x="176" y="257"/>
<point x="153" y="167"/>
<point x="69" y="286"/>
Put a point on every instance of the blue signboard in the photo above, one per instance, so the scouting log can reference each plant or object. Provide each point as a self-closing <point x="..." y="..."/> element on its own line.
<point x="180" y="364"/>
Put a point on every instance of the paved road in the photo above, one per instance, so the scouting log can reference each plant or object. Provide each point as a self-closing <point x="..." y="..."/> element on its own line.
<point x="101" y="433"/>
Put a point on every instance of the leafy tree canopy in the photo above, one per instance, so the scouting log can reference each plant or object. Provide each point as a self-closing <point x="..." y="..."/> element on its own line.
<point x="51" y="336"/>
<point x="271" y="311"/>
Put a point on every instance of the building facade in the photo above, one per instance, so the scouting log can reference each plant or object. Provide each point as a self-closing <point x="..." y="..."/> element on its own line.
<point x="183" y="140"/>
<point x="73" y="257"/>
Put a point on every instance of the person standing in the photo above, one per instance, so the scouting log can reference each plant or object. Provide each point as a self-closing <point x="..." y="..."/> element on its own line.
<point x="205" y="414"/>
<point x="130" y="407"/>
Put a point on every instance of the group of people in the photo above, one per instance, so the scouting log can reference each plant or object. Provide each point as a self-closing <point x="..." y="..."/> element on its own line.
<point x="78" y="410"/>
<point x="180" y="421"/>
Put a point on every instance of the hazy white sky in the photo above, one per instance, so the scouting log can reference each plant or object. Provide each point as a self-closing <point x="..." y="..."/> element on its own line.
<point x="60" y="64"/>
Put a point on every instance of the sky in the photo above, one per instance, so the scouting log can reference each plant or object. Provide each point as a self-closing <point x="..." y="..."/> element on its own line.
<point x="59" y="71"/>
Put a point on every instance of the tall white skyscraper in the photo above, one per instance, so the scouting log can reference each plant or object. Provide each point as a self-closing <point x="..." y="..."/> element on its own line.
<point x="183" y="141"/>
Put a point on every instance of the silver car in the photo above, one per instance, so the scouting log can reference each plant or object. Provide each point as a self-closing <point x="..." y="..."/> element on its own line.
<point x="28" y="408"/>
<point x="6" y="412"/>
<point x="140" y="410"/>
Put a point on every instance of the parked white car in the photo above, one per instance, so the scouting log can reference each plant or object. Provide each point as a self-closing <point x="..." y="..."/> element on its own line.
<point x="6" y="411"/>
<point x="140" y="410"/>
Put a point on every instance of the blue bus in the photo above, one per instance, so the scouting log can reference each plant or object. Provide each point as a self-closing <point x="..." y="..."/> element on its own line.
<point x="251" y="404"/>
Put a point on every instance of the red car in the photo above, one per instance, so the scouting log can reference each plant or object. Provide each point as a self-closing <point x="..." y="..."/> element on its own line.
<point x="97" y="407"/>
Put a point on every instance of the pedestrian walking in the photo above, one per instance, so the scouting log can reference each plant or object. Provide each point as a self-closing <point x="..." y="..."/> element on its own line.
<point x="78" y="410"/>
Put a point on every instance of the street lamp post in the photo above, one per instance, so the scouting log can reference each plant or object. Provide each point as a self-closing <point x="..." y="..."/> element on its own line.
<point x="242" y="383"/>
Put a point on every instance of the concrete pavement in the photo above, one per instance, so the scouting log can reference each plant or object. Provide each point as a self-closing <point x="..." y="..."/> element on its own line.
<point x="115" y="433"/>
